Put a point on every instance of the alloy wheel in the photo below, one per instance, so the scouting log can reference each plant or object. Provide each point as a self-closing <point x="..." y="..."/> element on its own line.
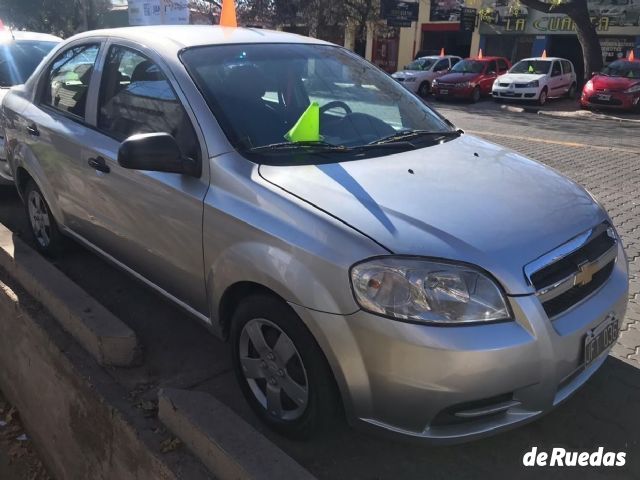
<point x="543" y="97"/>
<point x="39" y="218"/>
<point x="273" y="369"/>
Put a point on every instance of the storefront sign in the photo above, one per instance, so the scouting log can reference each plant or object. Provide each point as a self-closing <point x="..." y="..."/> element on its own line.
<point x="158" y="12"/>
<point x="399" y="13"/>
<point x="509" y="17"/>
<point x="614" y="48"/>
<point x="468" y="19"/>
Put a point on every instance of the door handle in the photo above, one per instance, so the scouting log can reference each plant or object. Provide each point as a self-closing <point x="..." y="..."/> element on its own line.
<point x="33" y="130"/>
<point x="99" y="164"/>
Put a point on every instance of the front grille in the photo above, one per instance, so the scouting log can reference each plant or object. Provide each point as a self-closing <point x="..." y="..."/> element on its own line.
<point x="504" y="84"/>
<point x="522" y="85"/>
<point x="446" y="85"/>
<point x="400" y="79"/>
<point x="575" y="270"/>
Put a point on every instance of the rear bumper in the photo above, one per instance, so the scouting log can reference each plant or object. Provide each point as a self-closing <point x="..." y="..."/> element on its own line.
<point x="436" y="384"/>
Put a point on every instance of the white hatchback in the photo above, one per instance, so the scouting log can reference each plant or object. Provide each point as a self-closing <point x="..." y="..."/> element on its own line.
<point x="537" y="79"/>
<point x="419" y="74"/>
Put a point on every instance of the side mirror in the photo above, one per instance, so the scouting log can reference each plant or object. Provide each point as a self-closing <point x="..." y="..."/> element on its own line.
<point x="155" y="152"/>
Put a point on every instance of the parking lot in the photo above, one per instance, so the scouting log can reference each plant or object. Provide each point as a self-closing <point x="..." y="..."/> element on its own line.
<point x="603" y="155"/>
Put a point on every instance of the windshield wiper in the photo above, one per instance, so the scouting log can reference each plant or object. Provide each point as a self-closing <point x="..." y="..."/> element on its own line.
<point x="284" y="146"/>
<point x="403" y="136"/>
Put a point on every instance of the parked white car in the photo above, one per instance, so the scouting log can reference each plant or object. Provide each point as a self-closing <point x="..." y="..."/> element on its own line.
<point x="537" y="79"/>
<point x="419" y="74"/>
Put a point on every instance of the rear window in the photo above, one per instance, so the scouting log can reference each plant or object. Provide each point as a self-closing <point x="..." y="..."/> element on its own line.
<point x="20" y="58"/>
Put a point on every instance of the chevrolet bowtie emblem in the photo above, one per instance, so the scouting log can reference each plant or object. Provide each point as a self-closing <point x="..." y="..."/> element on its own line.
<point x="586" y="271"/>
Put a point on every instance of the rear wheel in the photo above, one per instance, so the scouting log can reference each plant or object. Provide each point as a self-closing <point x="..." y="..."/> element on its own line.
<point x="475" y="95"/>
<point x="424" y="89"/>
<point x="572" y="91"/>
<point x="43" y="226"/>
<point x="542" y="99"/>
<point x="281" y="370"/>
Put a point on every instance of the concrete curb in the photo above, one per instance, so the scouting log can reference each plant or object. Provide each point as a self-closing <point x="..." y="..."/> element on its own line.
<point x="224" y="442"/>
<point x="578" y="114"/>
<point x="104" y="336"/>
<point x="71" y="408"/>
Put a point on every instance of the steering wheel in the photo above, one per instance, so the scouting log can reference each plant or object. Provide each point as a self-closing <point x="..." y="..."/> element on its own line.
<point x="334" y="104"/>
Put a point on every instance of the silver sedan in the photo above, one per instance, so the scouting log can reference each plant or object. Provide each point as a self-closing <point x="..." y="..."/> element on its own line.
<point x="359" y="252"/>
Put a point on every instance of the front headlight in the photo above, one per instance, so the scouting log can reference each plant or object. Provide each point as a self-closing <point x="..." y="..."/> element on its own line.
<point x="633" y="89"/>
<point x="533" y="83"/>
<point x="410" y="79"/>
<point x="427" y="291"/>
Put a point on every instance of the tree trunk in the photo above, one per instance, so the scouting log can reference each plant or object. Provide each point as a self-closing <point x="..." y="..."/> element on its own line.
<point x="588" y="38"/>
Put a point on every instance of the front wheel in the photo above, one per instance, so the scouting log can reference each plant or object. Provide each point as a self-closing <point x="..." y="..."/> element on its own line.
<point x="424" y="89"/>
<point x="542" y="99"/>
<point x="475" y="95"/>
<point x="44" y="229"/>
<point x="281" y="370"/>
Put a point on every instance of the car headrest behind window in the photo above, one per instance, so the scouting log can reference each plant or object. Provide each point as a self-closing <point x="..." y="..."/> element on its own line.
<point x="146" y="71"/>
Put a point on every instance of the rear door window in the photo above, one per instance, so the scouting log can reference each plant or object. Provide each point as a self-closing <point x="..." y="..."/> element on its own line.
<point x="69" y="78"/>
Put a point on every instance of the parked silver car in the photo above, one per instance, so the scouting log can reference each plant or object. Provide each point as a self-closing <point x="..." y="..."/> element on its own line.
<point x="20" y="54"/>
<point x="356" y="249"/>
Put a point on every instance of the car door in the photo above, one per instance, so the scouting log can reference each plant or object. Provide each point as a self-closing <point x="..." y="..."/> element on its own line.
<point x="569" y="74"/>
<point x="57" y="129"/>
<point x="490" y="74"/>
<point x="556" y="80"/>
<point x="150" y="222"/>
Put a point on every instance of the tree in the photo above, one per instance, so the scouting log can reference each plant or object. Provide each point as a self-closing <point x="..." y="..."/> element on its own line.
<point x="577" y="11"/>
<point x="59" y="17"/>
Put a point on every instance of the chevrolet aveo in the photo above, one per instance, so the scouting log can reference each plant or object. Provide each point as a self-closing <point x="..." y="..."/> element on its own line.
<point x="359" y="253"/>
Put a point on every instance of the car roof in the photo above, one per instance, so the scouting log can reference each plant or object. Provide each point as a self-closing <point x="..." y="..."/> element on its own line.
<point x="22" y="35"/>
<point x="177" y="37"/>
<point x="486" y="58"/>
<point x="544" y="58"/>
<point x="437" y="57"/>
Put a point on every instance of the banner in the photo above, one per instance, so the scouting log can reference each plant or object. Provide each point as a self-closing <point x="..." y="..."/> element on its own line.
<point x="158" y="12"/>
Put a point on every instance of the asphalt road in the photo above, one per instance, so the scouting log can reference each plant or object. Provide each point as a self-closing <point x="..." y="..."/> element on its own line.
<point x="603" y="155"/>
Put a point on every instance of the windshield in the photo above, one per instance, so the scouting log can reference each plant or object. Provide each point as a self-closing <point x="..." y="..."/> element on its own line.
<point x="534" y="67"/>
<point x="623" y="68"/>
<point x="420" y="64"/>
<point x="18" y="60"/>
<point x="468" y="66"/>
<point x="267" y="95"/>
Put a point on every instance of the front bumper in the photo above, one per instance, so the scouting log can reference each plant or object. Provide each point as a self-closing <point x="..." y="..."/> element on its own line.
<point x="515" y="93"/>
<point x="614" y="100"/>
<point x="413" y="380"/>
<point x="411" y="86"/>
<point x="442" y="91"/>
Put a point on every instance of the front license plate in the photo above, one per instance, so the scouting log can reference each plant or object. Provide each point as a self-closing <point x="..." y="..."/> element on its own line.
<point x="444" y="92"/>
<point x="604" y="97"/>
<point x="600" y="339"/>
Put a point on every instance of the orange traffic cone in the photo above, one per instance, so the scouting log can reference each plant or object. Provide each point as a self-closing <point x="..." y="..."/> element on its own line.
<point x="631" y="56"/>
<point x="228" y="14"/>
<point x="442" y="52"/>
<point x="544" y="53"/>
<point x="480" y="54"/>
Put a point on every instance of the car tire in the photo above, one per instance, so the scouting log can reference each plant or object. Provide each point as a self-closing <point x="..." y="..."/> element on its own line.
<point x="542" y="99"/>
<point x="43" y="226"/>
<point x="573" y="89"/>
<point x="424" y="89"/>
<point x="475" y="95"/>
<point x="264" y="329"/>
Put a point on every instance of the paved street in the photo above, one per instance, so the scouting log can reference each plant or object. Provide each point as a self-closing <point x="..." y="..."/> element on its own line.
<point x="602" y="155"/>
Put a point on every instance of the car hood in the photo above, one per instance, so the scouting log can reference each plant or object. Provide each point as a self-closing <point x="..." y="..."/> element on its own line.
<point x="458" y="77"/>
<point x="603" y="82"/>
<point x="520" y="77"/>
<point x="466" y="200"/>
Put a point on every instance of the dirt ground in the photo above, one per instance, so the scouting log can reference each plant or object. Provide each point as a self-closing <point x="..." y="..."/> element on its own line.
<point x="18" y="459"/>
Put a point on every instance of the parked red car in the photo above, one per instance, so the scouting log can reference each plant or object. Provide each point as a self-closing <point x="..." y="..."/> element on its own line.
<point x="618" y="86"/>
<point x="471" y="78"/>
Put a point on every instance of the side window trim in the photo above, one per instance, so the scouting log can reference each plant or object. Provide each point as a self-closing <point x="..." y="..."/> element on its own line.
<point x="43" y="81"/>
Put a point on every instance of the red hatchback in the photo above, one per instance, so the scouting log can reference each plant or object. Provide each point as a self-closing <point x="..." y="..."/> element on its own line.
<point x="471" y="78"/>
<point x="618" y="86"/>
